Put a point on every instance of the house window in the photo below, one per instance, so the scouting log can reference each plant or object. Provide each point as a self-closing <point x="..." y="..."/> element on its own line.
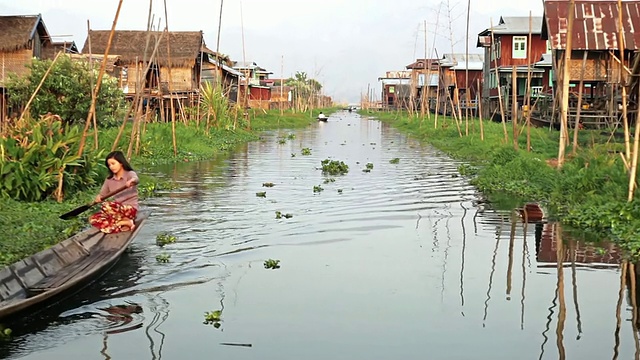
<point x="548" y="47"/>
<point x="519" y="47"/>
<point x="392" y="89"/>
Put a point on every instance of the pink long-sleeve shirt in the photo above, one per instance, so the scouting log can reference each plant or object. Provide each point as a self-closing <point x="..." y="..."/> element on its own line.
<point x="128" y="196"/>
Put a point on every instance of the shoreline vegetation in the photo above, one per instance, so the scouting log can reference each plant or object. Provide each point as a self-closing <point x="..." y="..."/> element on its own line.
<point x="29" y="226"/>
<point x="588" y="193"/>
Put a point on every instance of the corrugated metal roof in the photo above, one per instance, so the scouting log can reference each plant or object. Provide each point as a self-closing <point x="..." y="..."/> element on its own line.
<point x="459" y="62"/>
<point x="515" y="25"/>
<point x="545" y="60"/>
<point x="595" y="25"/>
<point x="231" y="70"/>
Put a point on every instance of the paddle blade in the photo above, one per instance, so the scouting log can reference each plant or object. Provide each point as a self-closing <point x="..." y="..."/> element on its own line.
<point x="75" y="212"/>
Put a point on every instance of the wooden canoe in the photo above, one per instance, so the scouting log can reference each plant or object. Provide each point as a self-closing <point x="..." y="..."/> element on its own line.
<point x="323" y="119"/>
<point x="57" y="271"/>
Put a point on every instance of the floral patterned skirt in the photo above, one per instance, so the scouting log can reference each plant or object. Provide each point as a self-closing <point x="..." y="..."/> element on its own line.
<point x="110" y="214"/>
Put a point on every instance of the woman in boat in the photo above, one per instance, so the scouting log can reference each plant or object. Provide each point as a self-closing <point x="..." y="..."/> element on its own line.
<point x="117" y="215"/>
<point x="321" y="116"/>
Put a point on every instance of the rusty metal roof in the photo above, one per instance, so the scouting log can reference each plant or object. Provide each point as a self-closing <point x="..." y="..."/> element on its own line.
<point x="595" y="25"/>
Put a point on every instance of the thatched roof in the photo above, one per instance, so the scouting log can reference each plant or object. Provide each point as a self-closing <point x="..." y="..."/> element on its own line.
<point x="16" y="31"/>
<point x="96" y="59"/>
<point x="130" y="44"/>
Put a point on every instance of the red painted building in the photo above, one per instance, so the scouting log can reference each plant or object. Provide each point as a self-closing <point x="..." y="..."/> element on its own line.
<point x="514" y="43"/>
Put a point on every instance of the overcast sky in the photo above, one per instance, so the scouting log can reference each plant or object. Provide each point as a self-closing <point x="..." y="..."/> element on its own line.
<point x="344" y="44"/>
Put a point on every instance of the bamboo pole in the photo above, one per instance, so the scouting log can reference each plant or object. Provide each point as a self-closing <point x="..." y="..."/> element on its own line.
<point x="435" y="122"/>
<point x="480" y="112"/>
<point x="495" y="64"/>
<point x="135" y="102"/>
<point x="35" y="92"/>
<point x="514" y="105"/>
<point x="425" y="85"/>
<point x="433" y="50"/>
<point x="199" y="85"/>
<point x="135" y="129"/>
<point x="281" y="86"/>
<point x="455" y="110"/>
<point x="138" y="106"/>
<point x="466" y="73"/>
<point x="634" y="160"/>
<point x="623" y="83"/>
<point x="96" y="89"/>
<point x="566" y="77"/>
<point x="95" y="121"/>
<point x="576" y="123"/>
<point x="170" y="86"/>
<point x="3" y="101"/>
<point x="218" y="64"/>
<point x="528" y="87"/>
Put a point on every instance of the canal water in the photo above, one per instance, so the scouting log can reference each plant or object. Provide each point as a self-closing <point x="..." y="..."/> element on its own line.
<point x="405" y="261"/>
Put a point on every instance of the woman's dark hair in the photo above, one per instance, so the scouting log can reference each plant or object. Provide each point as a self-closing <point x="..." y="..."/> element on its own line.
<point x="119" y="157"/>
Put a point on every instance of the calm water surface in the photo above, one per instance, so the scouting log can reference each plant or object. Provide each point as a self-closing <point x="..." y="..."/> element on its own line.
<point x="406" y="262"/>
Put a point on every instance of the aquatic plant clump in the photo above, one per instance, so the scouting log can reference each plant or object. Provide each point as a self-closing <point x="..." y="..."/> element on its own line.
<point x="280" y="215"/>
<point x="272" y="264"/>
<point x="165" y="238"/>
<point x="334" y="167"/>
<point x="213" y="318"/>
<point x="163" y="258"/>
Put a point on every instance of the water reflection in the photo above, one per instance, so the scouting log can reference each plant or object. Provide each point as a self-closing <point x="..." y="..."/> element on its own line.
<point x="408" y="254"/>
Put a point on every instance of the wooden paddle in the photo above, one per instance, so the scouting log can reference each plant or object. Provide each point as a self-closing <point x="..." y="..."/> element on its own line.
<point x="79" y="210"/>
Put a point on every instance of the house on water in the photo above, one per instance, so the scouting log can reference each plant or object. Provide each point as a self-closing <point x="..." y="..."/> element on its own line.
<point x="511" y="47"/>
<point x="23" y="38"/>
<point x="598" y="69"/>
<point x="459" y="94"/>
<point x="172" y="74"/>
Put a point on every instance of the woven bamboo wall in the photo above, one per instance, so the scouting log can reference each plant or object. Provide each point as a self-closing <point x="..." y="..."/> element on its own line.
<point x="14" y="62"/>
<point x="181" y="78"/>
<point x="132" y="79"/>
<point x="595" y="69"/>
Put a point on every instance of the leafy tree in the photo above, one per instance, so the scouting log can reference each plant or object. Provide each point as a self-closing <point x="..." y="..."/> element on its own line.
<point x="65" y="92"/>
<point x="304" y="90"/>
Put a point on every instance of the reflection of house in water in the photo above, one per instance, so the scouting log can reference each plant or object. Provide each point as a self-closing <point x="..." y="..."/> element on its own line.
<point x="581" y="252"/>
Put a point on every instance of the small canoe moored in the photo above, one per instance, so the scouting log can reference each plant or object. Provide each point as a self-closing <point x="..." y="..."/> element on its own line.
<point x="62" y="268"/>
<point x="323" y="119"/>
